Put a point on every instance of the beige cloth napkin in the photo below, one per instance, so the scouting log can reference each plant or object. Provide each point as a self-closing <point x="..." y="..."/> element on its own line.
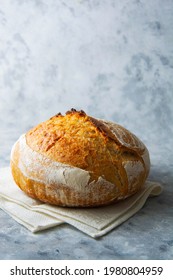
<point x="37" y="216"/>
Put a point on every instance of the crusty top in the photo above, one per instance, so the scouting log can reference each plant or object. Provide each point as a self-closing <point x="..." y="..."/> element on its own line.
<point x="97" y="146"/>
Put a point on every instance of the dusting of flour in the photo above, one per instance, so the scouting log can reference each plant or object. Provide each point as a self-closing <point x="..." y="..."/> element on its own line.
<point x="40" y="168"/>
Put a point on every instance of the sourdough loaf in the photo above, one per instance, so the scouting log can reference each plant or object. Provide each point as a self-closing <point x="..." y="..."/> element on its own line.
<point x="76" y="160"/>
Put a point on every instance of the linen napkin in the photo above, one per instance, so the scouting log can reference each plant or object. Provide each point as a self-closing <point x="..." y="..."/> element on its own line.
<point x="37" y="216"/>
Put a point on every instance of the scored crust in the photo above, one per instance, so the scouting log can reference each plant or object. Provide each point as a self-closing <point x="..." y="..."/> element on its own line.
<point x="78" y="160"/>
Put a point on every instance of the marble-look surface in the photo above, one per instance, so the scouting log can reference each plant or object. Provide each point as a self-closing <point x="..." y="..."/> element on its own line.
<point x="113" y="59"/>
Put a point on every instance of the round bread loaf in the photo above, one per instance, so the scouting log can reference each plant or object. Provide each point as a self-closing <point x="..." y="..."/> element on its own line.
<point x="79" y="161"/>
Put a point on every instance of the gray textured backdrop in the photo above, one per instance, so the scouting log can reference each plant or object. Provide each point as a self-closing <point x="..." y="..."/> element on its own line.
<point x="113" y="59"/>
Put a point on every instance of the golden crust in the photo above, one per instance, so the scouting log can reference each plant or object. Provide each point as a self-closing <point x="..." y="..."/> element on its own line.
<point x="102" y="148"/>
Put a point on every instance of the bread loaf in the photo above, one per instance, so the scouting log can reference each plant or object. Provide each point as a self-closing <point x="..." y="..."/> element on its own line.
<point x="76" y="160"/>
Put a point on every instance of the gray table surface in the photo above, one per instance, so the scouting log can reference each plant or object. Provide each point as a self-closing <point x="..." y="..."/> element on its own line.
<point x="113" y="59"/>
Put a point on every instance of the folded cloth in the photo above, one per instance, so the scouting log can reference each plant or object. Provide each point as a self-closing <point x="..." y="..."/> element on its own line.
<point x="37" y="216"/>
